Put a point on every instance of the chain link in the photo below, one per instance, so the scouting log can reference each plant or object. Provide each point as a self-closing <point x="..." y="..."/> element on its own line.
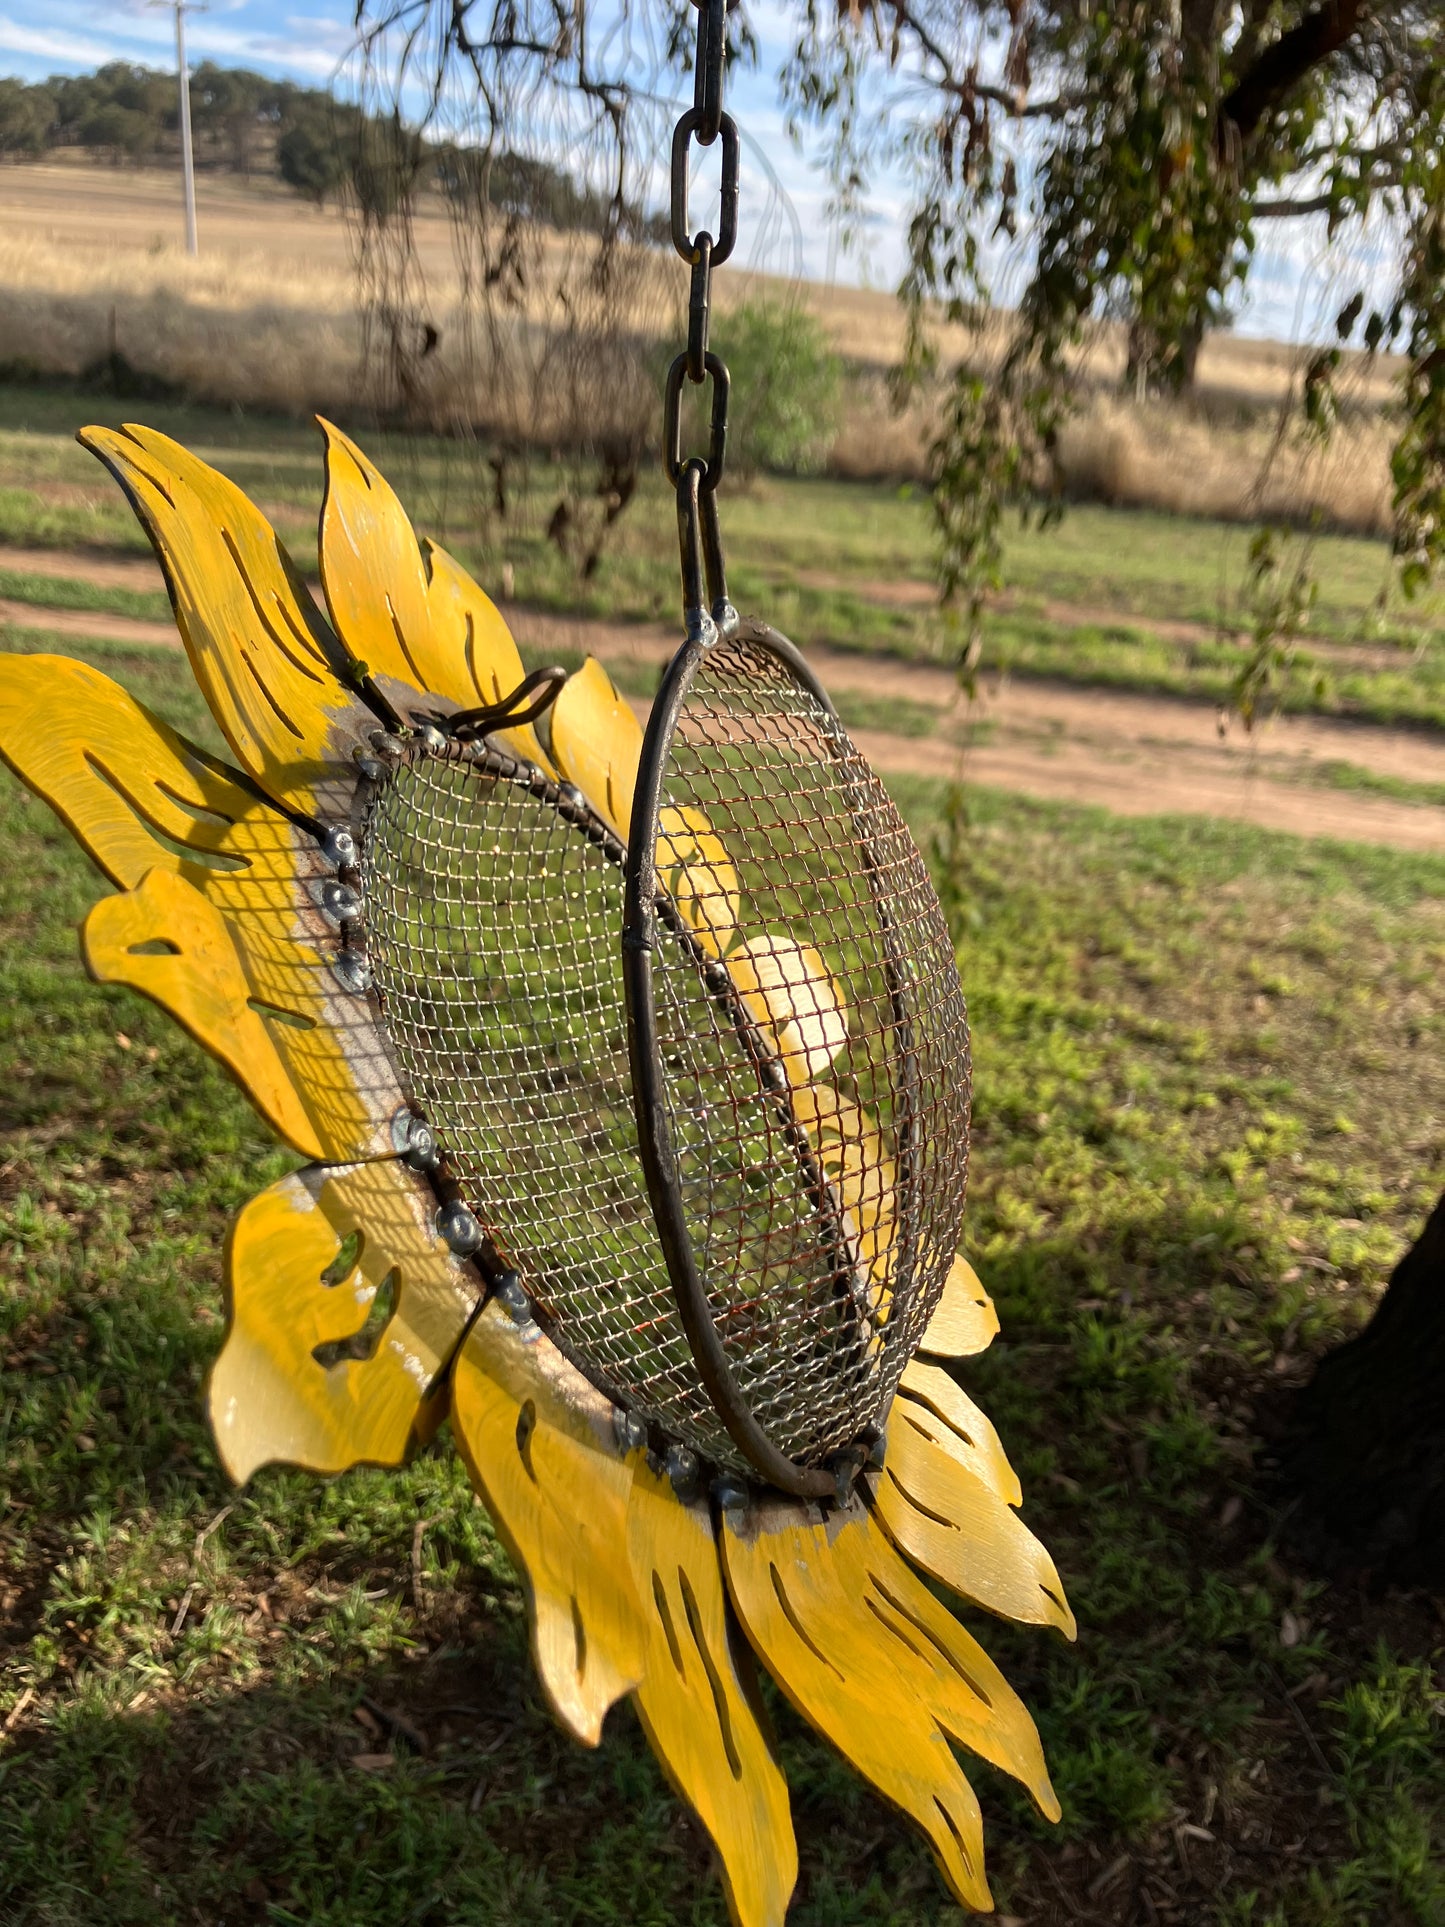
<point x="695" y="478"/>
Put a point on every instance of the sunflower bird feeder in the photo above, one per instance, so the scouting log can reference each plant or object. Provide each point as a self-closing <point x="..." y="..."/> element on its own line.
<point x="632" y="1071"/>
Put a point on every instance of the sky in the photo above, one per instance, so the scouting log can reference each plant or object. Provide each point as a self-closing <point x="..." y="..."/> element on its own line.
<point x="1293" y="289"/>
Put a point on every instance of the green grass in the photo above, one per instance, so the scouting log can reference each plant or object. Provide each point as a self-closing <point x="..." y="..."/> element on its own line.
<point x="828" y="562"/>
<point x="1369" y="782"/>
<point x="1119" y="656"/>
<point x="1209" y="1084"/>
<point x="70" y="592"/>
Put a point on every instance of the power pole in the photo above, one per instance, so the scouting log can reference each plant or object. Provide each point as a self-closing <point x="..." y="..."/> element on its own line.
<point x="183" y="80"/>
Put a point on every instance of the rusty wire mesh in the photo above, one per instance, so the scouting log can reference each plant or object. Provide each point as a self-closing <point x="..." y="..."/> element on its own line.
<point x="492" y="928"/>
<point x="813" y="1054"/>
<point x="821" y="1179"/>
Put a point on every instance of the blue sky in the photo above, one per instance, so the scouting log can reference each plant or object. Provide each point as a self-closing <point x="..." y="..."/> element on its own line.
<point x="1293" y="291"/>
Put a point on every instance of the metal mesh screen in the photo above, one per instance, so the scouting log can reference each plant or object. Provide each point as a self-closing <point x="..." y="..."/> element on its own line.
<point x="493" y="931"/>
<point x="822" y="1187"/>
<point x="812" y="1046"/>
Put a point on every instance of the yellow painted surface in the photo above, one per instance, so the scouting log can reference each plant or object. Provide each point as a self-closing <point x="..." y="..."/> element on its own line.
<point x="596" y="743"/>
<point x="121" y="780"/>
<point x="791" y="995"/>
<point x="965" y="1321"/>
<point x="694" y="868"/>
<point x="198" y="977"/>
<point x="950" y="1522"/>
<point x="539" y="1446"/>
<point x="966" y="1432"/>
<point x="140" y="799"/>
<point x="493" y="665"/>
<point x="270" y="1398"/>
<point x="699" y="1706"/>
<point x="864" y="1651"/>
<point x="406" y="609"/>
<point x="863" y="1176"/>
<point x="267" y="663"/>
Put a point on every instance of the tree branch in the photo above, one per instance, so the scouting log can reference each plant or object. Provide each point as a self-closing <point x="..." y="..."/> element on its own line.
<point x="1287" y="210"/>
<point x="1282" y="65"/>
<point x="968" y="86"/>
<point x="1285" y="207"/>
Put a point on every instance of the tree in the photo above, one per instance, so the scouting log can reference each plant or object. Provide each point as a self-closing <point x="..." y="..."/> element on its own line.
<point x="1364" y="1462"/>
<point x="25" y="117"/>
<point x="122" y="133"/>
<point x="1139" y="149"/>
<point x="311" y="154"/>
<point x="785" y="385"/>
<point x="231" y="108"/>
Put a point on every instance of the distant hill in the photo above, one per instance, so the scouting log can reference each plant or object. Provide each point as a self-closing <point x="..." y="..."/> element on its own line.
<point x="247" y="125"/>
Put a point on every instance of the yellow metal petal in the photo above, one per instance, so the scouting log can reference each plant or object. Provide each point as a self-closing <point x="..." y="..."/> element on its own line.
<point x="539" y="1444"/>
<point x="694" y="869"/>
<point x="313" y="1264"/>
<point x="955" y="1526"/>
<point x="130" y="789"/>
<point x="865" y="1652"/>
<point x="789" y="991"/>
<point x="967" y="1432"/>
<point x="699" y="1705"/>
<point x="597" y="743"/>
<point x="140" y="798"/>
<point x="863" y="1176"/>
<point x="267" y="664"/>
<point x="965" y="1321"/>
<point x="374" y="580"/>
<point x="165" y="940"/>
<point x="493" y="665"/>
<point x="407" y="609"/>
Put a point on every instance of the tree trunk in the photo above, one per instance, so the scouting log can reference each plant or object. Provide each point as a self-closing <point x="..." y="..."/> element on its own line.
<point x="1155" y="367"/>
<point x="1365" y="1456"/>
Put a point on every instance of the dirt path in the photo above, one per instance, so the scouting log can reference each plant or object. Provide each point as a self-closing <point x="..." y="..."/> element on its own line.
<point x="94" y="623"/>
<point x="1137" y="755"/>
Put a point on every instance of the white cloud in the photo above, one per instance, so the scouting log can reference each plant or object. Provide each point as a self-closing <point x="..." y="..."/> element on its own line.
<point x="50" y="45"/>
<point x="87" y="35"/>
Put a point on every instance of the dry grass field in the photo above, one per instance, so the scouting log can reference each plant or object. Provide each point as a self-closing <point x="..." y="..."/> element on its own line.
<point x="90" y="261"/>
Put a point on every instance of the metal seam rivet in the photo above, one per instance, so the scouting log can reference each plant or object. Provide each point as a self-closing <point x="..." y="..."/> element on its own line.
<point x="352" y="971"/>
<point x="338" y="847"/>
<point x="457" y="1226"/>
<point x="340" y="901"/>
<point x="684" y="1469"/>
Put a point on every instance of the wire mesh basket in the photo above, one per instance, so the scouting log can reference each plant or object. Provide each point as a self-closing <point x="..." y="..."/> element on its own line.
<point x="707" y="1092"/>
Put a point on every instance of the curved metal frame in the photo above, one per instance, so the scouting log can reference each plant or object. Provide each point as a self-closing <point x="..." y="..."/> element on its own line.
<point x="640" y="920"/>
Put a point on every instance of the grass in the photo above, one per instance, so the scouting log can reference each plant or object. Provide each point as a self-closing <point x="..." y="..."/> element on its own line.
<point x="1351" y="776"/>
<point x="1395" y="688"/>
<point x="1209" y="1093"/>
<point x="848" y="564"/>
<point x="71" y="592"/>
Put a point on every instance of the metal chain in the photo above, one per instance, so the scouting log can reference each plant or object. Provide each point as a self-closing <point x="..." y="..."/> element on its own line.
<point x="695" y="478"/>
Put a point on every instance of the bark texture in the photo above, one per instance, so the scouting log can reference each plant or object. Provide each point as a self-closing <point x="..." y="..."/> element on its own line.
<point x="1365" y="1458"/>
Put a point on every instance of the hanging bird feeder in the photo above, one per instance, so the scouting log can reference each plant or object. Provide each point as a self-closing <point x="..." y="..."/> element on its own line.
<point x="701" y="1097"/>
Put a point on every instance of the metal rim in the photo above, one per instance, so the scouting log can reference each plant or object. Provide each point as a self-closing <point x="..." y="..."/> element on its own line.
<point x="639" y="935"/>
